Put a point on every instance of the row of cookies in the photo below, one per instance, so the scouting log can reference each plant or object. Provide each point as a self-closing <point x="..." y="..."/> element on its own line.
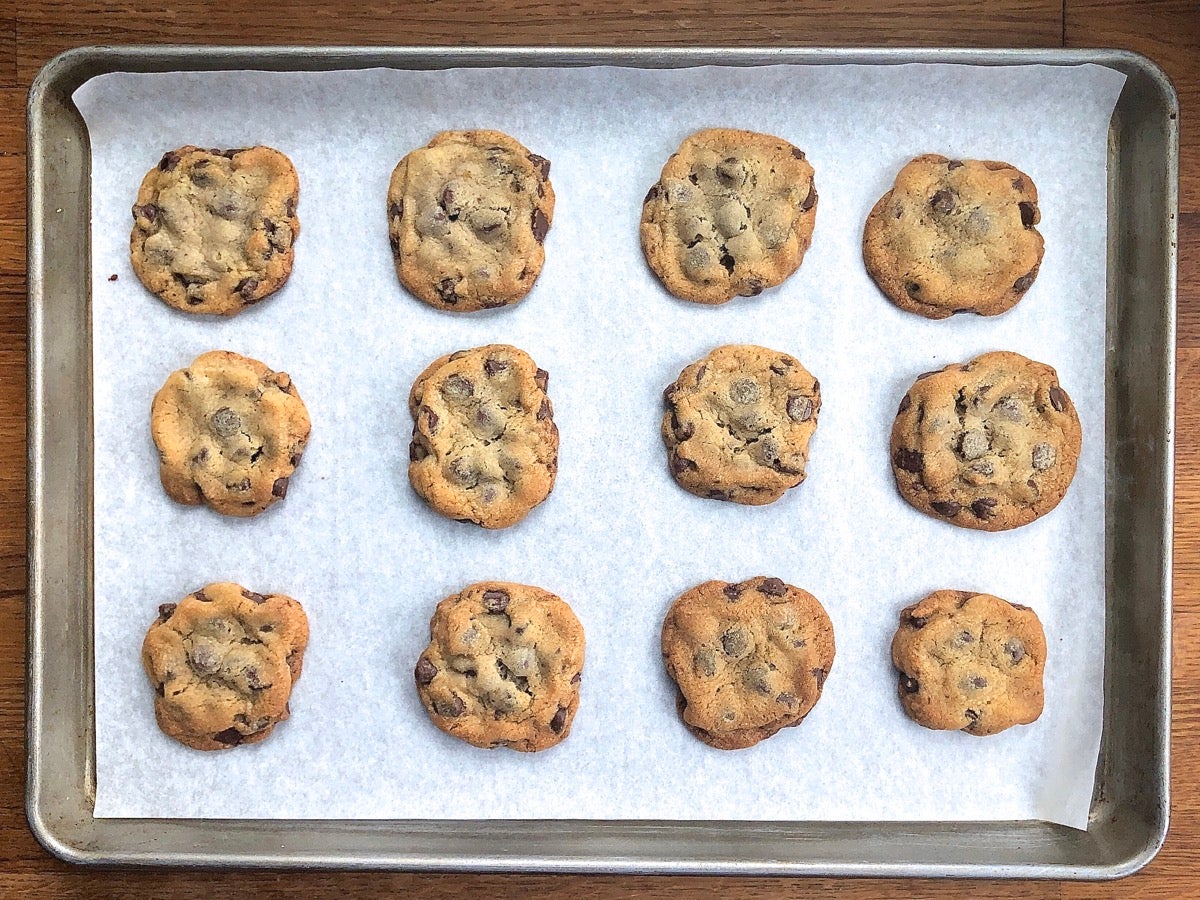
<point x="504" y="663"/>
<point x="731" y="214"/>
<point x="991" y="444"/>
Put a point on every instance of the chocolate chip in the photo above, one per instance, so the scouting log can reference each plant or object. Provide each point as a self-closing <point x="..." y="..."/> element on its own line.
<point x="943" y="202"/>
<point x="735" y="642"/>
<point x="541" y="226"/>
<point x="669" y="392"/>
<point x="578" y="677"/>
<point x="243" y="485"/>
<point x="494" y="367"/>
<point x="652" y="194"/>
<point x="1042" y="457"/>
<point x="799" y="409"/>
<point x="229" y="154"/>
<point x="810" y="200"/>
<point x="396" y="210"/>
<point x="1028" y="213"/>
<point x="166" y="610"/>
<point x="279" y="488"/>
<point x="797" y="153"/>
<point x="253" y="597"/>
<point x="947" y="508"/>
<point x="772" y="587"/>
<point x="1015" y="649"/>
<point x="753" y="288"/>
<point x="973" y="715"/>
<point x="976" y="683"/>
<point x="431" y="419"/>
<point x="954" y="164"/>
<point x="1022" y="284"/>
<point x="201" y="596"/>
<point x="727" y="261"/>
<point x="908" y="685"/>
<point x="820" y="674"/>
<point x="909" y="460"/>
<point x="147" y="211"/>
<point x="1016" y="605"/>
<point x="984" y="507"/>
<point x="559" y="721"/>
<point x="451" y="709"/>
<point x="905" y="403"/>
<point x="254" y="680"/>
<point x="289" y="207"/>
<point x="912" y="288"/>
<point x="446" y="291"/>
<point x="230" y="736"/>
<point x="718" y="494"/>
<point x="916" y="622"/>
<point x="541" y="164"/>
<point x="169" y="161"/>
<point x="246" y="287"/>
<point x="681" y="464"/>
<point x="416" y="452"/>
<point x="963" y="638"/>
<point x="495" y="601"/>
<point x="541" y="378"/>
<point x="425" y="671"/>
<point x="456" y="387"/>
<point x="732" y="591"/>
<point x="1058" y="398"/>
<point x="681" y="430"/>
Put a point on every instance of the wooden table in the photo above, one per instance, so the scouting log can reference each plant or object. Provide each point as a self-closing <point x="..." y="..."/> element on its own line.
<point x="32" y="31"/>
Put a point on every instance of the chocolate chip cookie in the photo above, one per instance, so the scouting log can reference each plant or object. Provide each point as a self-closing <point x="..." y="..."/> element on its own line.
<point x="970" y="662"/>
<point x="991" y="445"/>
<point x="748" y="659"/>
<point x="214" y="230"/>
<point x="503" y="666"/>
<point x="955" y="235"/>
<point x="732" y="214"/>
<point x="222" y="662"/>
<point x="467" y="217"/>
<point x="738" y="423"/>
<point x="484" y="446"/>
<point x="229" y="432"/>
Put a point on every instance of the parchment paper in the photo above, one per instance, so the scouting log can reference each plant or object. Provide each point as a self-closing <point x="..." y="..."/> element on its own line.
<point x="617" y="539"/>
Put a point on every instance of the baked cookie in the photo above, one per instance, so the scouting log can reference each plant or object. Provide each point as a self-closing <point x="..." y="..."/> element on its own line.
<point x="467" y="217"/>
<point x="991" y="445"/>
<point x="214" y="230"/>
<point x="732" y="214"/>
<point x="971" y="662"/>
<point x="229" y="432"/>
<point x="222" y="662"/>
<point x="503" y="666"/>
<point x="748" y="659"/>
<point x="955" y="235"/>
<point x="738" y="423"/>
<point x="484" y="446"/>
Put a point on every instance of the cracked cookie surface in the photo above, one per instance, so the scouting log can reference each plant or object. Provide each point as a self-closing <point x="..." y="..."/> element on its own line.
<point x="992" y="444"/>
<point x="230" y="433"/>
<point x="503" y="666"/>
<point x="484" y="446"/>
<point x="748" y="659"/>
<point x="222" y="662"/>
<point x="738" y="424"/>
<point x="214" y="230"/>
<point x="970" y="662"/>
<point x="731" y="215"/>
<point x="955" y="235"/>
<point x="467" y="217"/>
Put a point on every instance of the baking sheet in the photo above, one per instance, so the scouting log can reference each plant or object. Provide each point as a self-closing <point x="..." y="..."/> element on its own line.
<point x="617" y="539"/>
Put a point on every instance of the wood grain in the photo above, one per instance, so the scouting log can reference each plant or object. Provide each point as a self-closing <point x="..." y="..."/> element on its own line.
<point x="1167" y="30"/>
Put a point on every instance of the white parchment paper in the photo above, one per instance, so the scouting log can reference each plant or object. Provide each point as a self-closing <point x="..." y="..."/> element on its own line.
<point x="617" y="539"/>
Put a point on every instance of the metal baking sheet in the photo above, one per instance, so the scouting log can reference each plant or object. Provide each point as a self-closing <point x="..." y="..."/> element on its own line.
<point x="1129" y="806"/>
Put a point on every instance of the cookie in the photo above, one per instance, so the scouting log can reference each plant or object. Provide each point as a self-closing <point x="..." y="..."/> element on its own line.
<point x="222" y="662"/>
<point x="731" y="215"/>
<point x="229" y="432"/>
<point x="214" y="230"/>
<point x="467" y="217"/>
<point x="503" y="666"/>
<point x="748" y="659"/>
<point x="738" y="423"/>
<point x="970" y="662"/>
<point x="484" y="446"/>
<point x="992" y="444"/>
<point x="955" y="235"/>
